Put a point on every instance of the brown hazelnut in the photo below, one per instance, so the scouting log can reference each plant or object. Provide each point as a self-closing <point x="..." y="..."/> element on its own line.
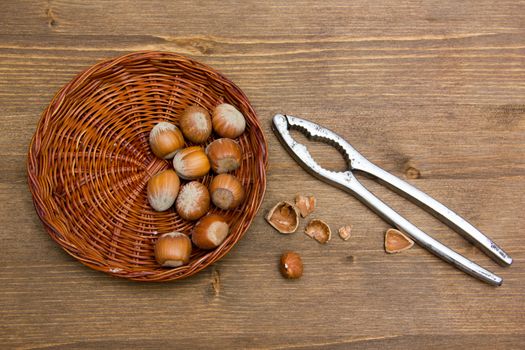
<point x="291" y="265"/>
<point x="173" y="249"/>
<point x="305" y="204"/>
<point x="345" y="232"/>
<point x="191" y="163"/>
<point x="195" y="124"/>
<point x="163" y="189"/>
<point x="396" y="241"/>
<point x="226" y="191"/>
<point x="284" y="217"/>
<point x="318" y="230"/>
<point x="165" y="139"/>
<point x="193" y="201"/>
<point x="225" y="155"/>
<point x="210" y="231"/>
<point x="227" y="121"/>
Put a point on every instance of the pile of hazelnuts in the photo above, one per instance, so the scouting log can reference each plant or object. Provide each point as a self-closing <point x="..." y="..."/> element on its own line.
<point x="192" y="200"/>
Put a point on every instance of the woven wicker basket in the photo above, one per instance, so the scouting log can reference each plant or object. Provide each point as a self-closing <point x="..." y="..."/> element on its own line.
<point x="89" y="162"/>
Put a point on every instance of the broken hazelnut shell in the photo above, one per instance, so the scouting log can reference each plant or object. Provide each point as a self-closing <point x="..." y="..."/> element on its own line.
<point x="305" y="204"/>
<point x="284" y="217"/>
<point x="291" y="265"/>
<point x="345" y="232"/>
<point x="396" y="241"/>
<point x="318" y="230"/>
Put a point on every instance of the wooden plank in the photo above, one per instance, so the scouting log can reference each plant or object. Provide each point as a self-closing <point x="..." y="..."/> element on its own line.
<point x="431" y="92"/>
<point x="373" y="18"/>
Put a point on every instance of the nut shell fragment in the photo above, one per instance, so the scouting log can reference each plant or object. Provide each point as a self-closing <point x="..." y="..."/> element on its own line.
<point x="284" y="217"/>
<point x="396" y="241"/>
<point x="318" y="230"/>
<point x="345" y="232"/>
<point x="305" y="204"/>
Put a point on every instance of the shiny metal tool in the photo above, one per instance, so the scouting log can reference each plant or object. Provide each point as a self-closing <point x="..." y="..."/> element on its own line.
<point x="348" y="182"/>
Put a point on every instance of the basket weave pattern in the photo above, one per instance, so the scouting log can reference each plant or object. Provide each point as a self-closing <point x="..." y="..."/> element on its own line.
<point x="89" y="162"/>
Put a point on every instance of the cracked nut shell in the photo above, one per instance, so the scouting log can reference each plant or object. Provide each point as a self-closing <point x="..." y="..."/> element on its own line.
<point x="305" y="204"/>
<point x="345" y="232"/>
<point x="318" y="230"/>
<point x="284" y="217"/>
<point x="396" y="241"/>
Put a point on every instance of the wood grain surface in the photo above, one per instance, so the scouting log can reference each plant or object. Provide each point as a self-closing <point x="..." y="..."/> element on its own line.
<point x="432" y="91"/>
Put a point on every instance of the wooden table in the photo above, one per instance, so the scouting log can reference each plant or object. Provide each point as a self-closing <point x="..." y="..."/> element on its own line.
<point x="432" y="91"/>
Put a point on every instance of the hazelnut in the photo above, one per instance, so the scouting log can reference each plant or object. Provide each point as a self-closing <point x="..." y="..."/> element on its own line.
<point x="193" y="201"/>
<point x="173" y="249"/>
<point x="227" y="121"/>
<point x="195" y="124"/>
<point x="318" y="230"/>
<point x="163" y="189"/>
<point x="291" y="265"/>
<point x="191" y="163"/>
<point x="284" y="217"/>
<point x="396" y="241"/>
<point x="305" y="204"/>
<point x="224" y="155"/>
<point x="165" y="139"/>
<point x="226" y="191"/>
<point x="210" y="231"/>
<point x="345" y="232"/>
